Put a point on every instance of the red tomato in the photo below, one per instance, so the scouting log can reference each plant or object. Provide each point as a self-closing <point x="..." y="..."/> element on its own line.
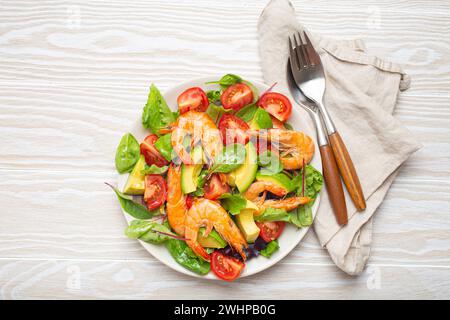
<point x="276" y="104"/>
<point x="192" y="99"/>
<point x="225" y="267"/>
<point x="277" y="124"/>
<point x="155" y="191"/>
<point x="189" y="201"/>
<point x="236" y="96"/>
<point x="216" y="186"/>
<point x="270" y="230"/>
<point x="233" y="129"/>
<point x="151" y="154"/>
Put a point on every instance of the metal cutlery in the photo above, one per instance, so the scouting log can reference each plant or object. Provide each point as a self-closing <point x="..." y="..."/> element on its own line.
<point x="330" y="171"/>
<point x="307" y="71"/>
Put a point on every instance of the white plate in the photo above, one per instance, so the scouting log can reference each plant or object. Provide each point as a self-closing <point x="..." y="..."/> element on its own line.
<point x="291" y="235"/>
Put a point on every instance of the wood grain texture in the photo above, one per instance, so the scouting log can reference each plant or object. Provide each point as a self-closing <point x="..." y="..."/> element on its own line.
<point x="74" y="76"/>
<point x="109" y="43"/>
<point x="75" y="279"/>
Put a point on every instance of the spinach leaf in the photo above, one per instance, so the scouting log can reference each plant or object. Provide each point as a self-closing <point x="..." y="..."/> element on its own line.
<point x="247" y="112"/>
<point x="227" y="80"/>
<point x="233" y="203"/>
<point x="262" y="119"/>
<point x="273" y="214"/>
<point x="148" y="231"/>
<point x="184" y="255"/>
<point x="216" y="111"/>
<point x="270" y="163"/>
<point x="156" y="114"/>
<point x="164" y="146"/>
<point x="153" y="169"/>
<point x="127" y="153"/>
<point x="271" y="247"/>
<point x="232" y="156"/>
<point x="134" y="209"/>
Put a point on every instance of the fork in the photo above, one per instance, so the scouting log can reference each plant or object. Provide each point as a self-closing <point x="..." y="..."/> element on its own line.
<point x="309" y="76"/>
<point x="330" y="171"/>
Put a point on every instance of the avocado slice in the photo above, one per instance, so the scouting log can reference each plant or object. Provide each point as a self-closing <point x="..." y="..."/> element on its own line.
<point x="245" y="174"/>
<point x="213" y="240"/>
<point x="190" y="173"/>
<point x="279" y="179"/>
<point x="231" y="179"/>
<point x="247" y="225"/>
<point x="135" y="184"/>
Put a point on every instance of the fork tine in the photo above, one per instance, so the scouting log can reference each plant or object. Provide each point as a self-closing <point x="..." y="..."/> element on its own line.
<point x="292" y="56"/>
<point x="308" y="42"/>
<point x="313" y="55"/>
<point x="303" y="49"/>
<point x="299" y="53"/>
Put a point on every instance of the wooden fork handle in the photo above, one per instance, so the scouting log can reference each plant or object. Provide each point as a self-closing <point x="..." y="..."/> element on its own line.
<point x="333" y="184"/>
<point x="347" y="170"/>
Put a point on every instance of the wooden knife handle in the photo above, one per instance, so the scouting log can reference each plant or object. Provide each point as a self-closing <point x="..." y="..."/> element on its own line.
<point x="333" y="184"/>
<point x="347" y="170"/>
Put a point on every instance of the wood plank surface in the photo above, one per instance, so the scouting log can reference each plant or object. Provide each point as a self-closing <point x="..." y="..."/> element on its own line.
<point x="74" y="76"/>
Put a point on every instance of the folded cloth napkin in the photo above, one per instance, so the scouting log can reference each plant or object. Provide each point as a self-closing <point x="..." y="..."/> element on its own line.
<point x="361" y="93"/>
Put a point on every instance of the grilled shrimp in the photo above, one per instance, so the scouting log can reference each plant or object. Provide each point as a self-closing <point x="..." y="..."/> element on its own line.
<point x="258" y="187"/>
<point x="294" y="146"/>
<point x="200" y="127"/>
<point x="204" y="212"/>
<point x="176" y="202"/>
<point x="287" y="204"/>
<point x="261" y="186"/>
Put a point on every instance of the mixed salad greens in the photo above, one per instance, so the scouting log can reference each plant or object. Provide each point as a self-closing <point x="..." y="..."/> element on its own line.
<point x="226" y="169"/>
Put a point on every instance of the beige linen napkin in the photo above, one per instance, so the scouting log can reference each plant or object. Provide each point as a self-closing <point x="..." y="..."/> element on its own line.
<point x="361" y="93"/>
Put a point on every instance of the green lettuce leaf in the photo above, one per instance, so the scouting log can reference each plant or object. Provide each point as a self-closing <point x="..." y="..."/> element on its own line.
<point x="313" y="182"/>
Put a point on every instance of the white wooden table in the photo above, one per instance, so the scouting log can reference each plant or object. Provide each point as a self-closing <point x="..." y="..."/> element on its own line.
<point x="74" y="76"/>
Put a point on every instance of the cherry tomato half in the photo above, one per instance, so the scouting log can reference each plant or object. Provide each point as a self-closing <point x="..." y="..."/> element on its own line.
<point x="155" y="193"/>
<point x="277" y="124"/>
<point x="236" y="96"/>
<point x="233" y="129"/>
<point x="150" y="153"/>
<point x="270" y="230"/>
<point x="276" y="104"/>
<point x="216" y="186"/>
<point x="225" y="267"/>
<point x="192" y="99"/>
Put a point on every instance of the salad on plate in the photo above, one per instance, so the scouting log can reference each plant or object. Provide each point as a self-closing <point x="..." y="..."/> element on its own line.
<point x="217" y="181"/>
